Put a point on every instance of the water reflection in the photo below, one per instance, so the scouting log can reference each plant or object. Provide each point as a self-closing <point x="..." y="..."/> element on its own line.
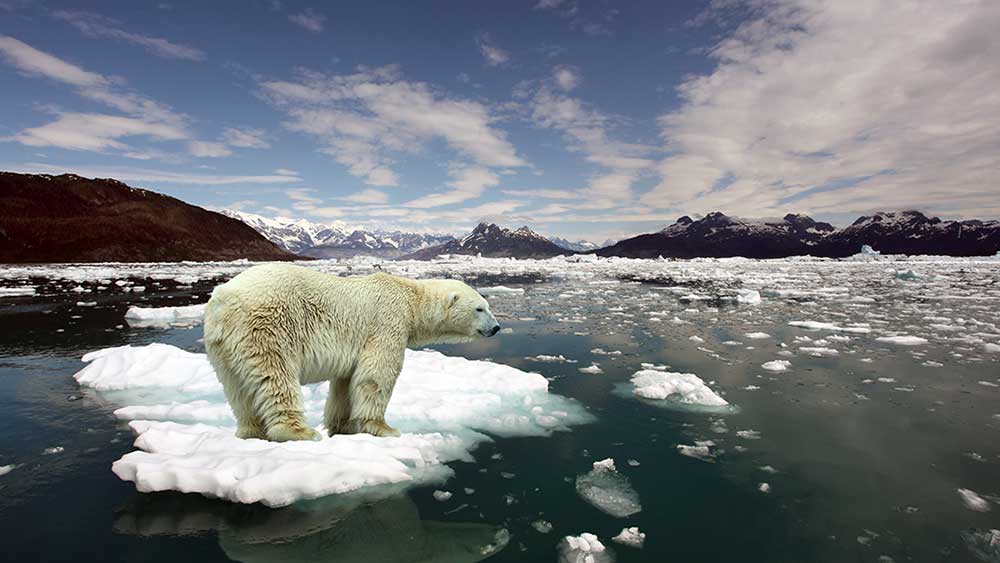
<point x="332" y="529"/>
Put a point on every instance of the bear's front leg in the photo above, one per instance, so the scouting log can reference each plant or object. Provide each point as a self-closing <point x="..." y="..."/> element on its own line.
<point x="370" y="390"/>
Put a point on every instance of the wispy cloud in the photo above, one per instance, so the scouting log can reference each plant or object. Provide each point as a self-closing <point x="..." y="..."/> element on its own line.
<point x="836" y="106"/>
<point x="94" y="132"/>
<point x="495" y="56"/>
<point x="365" y="117"/>
<point x="129" y="174"/>
<point x="245" y="138"/>
<point x="468" y="182"/>
<point x="309" y="19"/>
<point x="208" y="149"/>
<point x="95" y="25"/>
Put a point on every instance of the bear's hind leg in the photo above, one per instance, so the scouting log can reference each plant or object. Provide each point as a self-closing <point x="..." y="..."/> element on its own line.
<point x="338" y="406"/>
<point x="371" y="388"/>
<point x="248" y="425"/>
<point x="278" y="403"/>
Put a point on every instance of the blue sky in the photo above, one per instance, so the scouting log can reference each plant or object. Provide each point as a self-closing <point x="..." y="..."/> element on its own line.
<point x="581" y="119"/>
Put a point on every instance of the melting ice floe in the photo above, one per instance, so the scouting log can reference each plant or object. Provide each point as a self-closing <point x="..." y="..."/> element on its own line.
<point x="608" y="490"/>
<point x="185" y="428"/>
<point x="630" y="536"/>
<point x="165" y="316"/>
<point x="585" y="548"/>
<point x="777" y="365"/>
<point x="676" y="388"/>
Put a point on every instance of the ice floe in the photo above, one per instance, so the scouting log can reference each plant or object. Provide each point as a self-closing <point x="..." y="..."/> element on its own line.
<point x="682" y="388"/>
<point x="973" y="501"/>
<point x="608" y="490"/>
<point x="501" y="290"/>
<point x="631" y="537"/>
<point x="817" y="325"/>
<point x="777" y="365"/>
<point x="16" y="291"/>
<point x="585" y="548"/>
<point x="164" y="316"/>
<point x="902" y="340"/>
<point x="441" y="404"/>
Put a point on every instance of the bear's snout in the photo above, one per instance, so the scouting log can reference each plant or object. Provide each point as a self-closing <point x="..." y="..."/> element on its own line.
<point x="495" y="329"/>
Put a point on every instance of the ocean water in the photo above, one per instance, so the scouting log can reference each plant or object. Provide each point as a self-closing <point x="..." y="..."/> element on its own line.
<point x="889" y="407"/>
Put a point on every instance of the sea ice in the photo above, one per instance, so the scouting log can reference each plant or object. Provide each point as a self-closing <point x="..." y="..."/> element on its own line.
<point x="500" y="290"/>
<point x="764" y="488"/>
<point x="777" y="365"/>
<point x="701" y="450"/>
<point x="592" y="369"/>
<point x="441" y="496"/>
<point x="164" y="316"/>
<point x="631" y="537"/>
<point x="902" y="340"/>
<point x="5" y="469"/>
<point x="973" y="501"/>
<point x="441" y="404"/>
<point x="585" y="548"/>
<point x="685" y="388"/>
<point x="757" y="335"/>
<point x="816" y="325"/>
<point x="16" y="291"/>
<point x="748" y="297"/>
<point x="550" y="359"/>
<point x="608" y="490"/>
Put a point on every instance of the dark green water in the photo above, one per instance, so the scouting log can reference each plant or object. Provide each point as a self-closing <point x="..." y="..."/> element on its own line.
<point x="864" y="470"/>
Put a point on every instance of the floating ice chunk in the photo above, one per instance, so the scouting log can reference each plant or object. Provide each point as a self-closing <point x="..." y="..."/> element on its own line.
<point x="53" y="450"/>
<point x="585" y="548"/>
<point x="608" y="490"/>
<point x="603" y="352"/>
<point x="985" y="544"/>
<point x="816" y="325"/>
<point x="630" y="537"/>
<point x="685" y="388"/>
<point x="542" y="526"/>
<point x="500" y="290"/>
<point x="902" y="340"/>
<point x="164" y="316"/>
<point x="869" y="251"/>
<point x="16" y="291"/>
<point x="764" y="488"/>
<point x="988" y="384"/>
<point x="748" y="434"/>
<point x="973" y="501"/>
<point x="550" y="359"/>
<point x="593" y="369"/>
<point x="991" y="348"/>
<point x="757" y="335"/>
<point x="748" y="297"/>
<point x="819" y="351"/>
<point x="441" y="496"/>
<point x="696" y="338"/>
<point x="777" y="365"/>
<point x="5" y="469"/>
<point x="701" y="450"/>
<point x="767" y="469"/>
<point x="440" y="403"/>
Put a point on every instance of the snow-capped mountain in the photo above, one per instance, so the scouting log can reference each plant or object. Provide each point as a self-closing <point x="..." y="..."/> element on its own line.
<point x="491" y="240"/>
<point x="317" y="240"/>
<point x="906" y="232"/>
<point x="576" y="245"/>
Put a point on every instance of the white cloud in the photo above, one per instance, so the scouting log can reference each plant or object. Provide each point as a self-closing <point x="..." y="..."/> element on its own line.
<point x="309" y="19"/>
<point x="894" y="100"/>
<point x="128" y="174"/>
<point x="32" y="61"/>
<point x="94" y="25"/>
<point x="94" y="132"/>
<point x="367" y="196"/>
<point x="147" y="117"/>
<point x="365" y="117"/>
<point x="544" y="193"/>
<point x="467" y="183"/>
<point x="495" y="56"/>
<point x="548" y="4"/>
<point x="207" y="149"/>
<point x="566" y="77"/>
<point x="245" y="138"/>
<point x="286" y="172"/>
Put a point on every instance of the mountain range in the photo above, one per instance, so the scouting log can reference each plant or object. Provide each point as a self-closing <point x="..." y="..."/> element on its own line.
<point x="317" y="240"/>
<point x="68" y="218"/>
<point x="494" y="241"/>
<point x="904" y="232"/>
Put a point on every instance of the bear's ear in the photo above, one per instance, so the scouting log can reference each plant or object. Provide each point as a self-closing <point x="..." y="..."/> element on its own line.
<point x="452" y="298"/>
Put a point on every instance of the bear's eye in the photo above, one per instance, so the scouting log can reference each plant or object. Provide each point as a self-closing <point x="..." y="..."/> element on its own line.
<point x="479" y="309"/>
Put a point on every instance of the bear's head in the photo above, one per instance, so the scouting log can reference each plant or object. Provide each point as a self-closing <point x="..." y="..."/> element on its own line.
<point x="465" y="314"/>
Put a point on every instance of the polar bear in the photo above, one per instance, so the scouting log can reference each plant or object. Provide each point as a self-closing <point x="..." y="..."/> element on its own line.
<point x="277" y="326"/>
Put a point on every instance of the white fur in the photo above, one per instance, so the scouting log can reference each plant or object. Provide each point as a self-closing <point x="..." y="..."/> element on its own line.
<point x="277" y="326"/>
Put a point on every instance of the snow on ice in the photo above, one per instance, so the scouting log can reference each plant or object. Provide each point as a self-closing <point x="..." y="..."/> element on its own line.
<point x="585" y="548"/>
<point x="684" y="388"/>
<point x="777" y="365"/>
<point x="185" y="442"/>
<point x="164" y="316"/>
<point x="630" y="537"/>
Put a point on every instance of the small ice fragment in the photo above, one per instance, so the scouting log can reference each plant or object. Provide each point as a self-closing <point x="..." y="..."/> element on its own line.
<point x="592" y="369"/>
<point x="696" y="338"/>
<point x="53" y="450"/>
<point x="748" y="297"/>
<point x="5" y="469"/>
<point x="748" y="434"/>
<point x="585" y="548"/>
<point x="500" y="290"/>
<point x="608" y="490"/>
<point x="686" y="388"/>
<point x="441" y="496"/>
<point x="902" y="340"/>
<point x="631" y="537"/>
<point x="542" y="526"/>
<point x="633" y="462"/>
<point x="973" y="501"/>
<point x="767" y="469"/>
<point x="544" y="358"/>
<point x="764" y="488"/>
<point x="757" y="335"/>
<point x="777" y="365"/>
<point x="700" y="451"/>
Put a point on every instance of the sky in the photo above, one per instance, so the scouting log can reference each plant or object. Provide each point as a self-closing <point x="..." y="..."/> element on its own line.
<point x="585" y="120"/>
